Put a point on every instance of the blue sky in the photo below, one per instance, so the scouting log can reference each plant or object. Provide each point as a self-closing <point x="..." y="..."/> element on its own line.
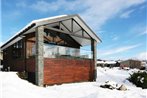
<point x="121" y="24"/>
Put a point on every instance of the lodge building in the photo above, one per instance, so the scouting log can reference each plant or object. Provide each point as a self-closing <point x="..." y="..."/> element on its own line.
<point x="49" y="51"/>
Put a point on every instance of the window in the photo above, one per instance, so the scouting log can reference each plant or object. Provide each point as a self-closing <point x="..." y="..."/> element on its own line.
<point x="17" y="49"/>
<point x="18" y="45"/>
<point x="33" y="50"/>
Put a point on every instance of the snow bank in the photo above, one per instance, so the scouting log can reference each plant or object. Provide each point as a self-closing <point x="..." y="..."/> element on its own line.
<point x="14" y="87"/>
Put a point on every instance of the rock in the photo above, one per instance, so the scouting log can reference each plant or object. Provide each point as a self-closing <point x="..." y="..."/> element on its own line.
<point x="122" y="88"/>
<point x="113" y="85"/>
<point x="109" y="84"/>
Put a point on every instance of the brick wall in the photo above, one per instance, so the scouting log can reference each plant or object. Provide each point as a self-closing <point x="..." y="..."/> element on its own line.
<point x="57" y="71"/>
<point x="64" y="70"/>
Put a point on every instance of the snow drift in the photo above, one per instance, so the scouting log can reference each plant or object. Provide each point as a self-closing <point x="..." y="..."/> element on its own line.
<point x="14" y="87"/>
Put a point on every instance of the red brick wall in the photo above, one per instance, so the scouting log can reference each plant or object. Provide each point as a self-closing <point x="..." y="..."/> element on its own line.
<point x="57" y="71"/>
<point x="62" y="70"/>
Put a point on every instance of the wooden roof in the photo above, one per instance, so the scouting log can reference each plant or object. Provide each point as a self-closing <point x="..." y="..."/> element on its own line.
<point x="72" y="24"/>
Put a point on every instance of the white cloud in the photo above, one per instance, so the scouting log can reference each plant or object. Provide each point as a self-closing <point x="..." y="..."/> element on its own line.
<point x="94" y="12"/>
<point x="143" y="7"/>
<point x="126" y="14"/>
<point x="143" y="33"/>
<point x="44" y="6"/>
<point x="63" y="5"/>
<point x="115" y="38"/>
<point x="21" y="4"/>
<point x="118" y="50"/>
<point x="142" y="56"/>
<point x="12" y="15"/>
<point x="99" y="11"/>
<point x="139" y="29"/>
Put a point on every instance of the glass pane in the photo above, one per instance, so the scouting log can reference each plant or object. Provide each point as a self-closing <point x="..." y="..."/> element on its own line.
<point x="54" y="51"/>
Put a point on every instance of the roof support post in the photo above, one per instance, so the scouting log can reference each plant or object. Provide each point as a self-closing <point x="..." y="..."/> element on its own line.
<point x="94" y="52"/>
<point x="39" y="76"/>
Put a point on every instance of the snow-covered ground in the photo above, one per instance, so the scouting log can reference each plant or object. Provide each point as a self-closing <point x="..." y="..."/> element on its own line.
<point x="13" y="87"/>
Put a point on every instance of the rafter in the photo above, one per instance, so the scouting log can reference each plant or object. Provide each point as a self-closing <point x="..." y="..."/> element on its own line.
<point x="65" y="27"/>
<point x="48" y="38"/>
<point x="72" y="25"/>
<point x="60" y="40"/>
<point x="81" y="27"/>
<point x="60" y="31"/>
<point x="77" y="31"/>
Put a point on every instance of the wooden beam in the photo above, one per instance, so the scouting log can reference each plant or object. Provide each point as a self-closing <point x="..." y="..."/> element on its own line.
<point x="61" y="31"/>
<point x="82" y="32"/>
<point x="81" y="27"/>
<point x="33" y="41"/>
<point x="72" y="25"/>
<point x="65" y="27"/>
<point x="48" y="38"/>
<point x="77" y="31"/>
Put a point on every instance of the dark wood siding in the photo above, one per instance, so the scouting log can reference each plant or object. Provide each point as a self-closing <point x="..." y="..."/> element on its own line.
<point x="30" y="65"/>
<point x="9" y="60"/>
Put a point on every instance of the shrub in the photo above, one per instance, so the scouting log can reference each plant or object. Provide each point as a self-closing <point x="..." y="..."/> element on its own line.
<point x="22" y="75"/>
<point x="139" y="79"/>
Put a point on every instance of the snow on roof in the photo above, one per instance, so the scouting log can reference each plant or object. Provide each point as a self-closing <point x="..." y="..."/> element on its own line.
<point x="29" y="24"/>
<point x="43" y="21"/>
<point x="49" y="18"/>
